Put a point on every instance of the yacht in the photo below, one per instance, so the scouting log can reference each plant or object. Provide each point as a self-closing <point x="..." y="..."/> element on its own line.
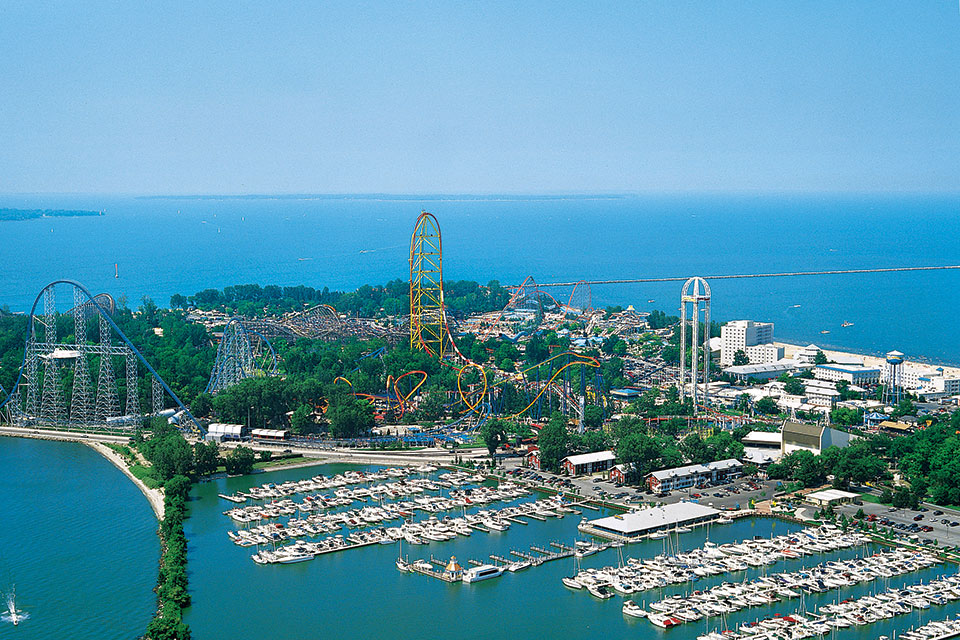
<point x="572" y="582"/>
<point x="483" y="572"/>
<point x="632" y="609"/>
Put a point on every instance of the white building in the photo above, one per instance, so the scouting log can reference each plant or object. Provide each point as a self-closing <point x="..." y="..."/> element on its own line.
<point x="938" y="385"/>
<point x="753" y="338"/>
<point x="806" y="356"/>
<point x="854" y="374"/>
<point x="759" y="371"/>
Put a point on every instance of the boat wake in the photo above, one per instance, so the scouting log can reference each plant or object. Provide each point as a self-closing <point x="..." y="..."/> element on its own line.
<point x="13" y="615"/>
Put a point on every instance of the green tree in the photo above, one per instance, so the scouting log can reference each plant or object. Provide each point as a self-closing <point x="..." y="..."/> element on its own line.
<point x="202" y="405"/>
<point x="793" y="386"/>
<point x="820" y="358"/>
<point x="592" y="416"/>
<point x="553" y="442"/>
<point x="886" y="496"/>
<point x="536" y="350"/>
<point x="349" y="417"/>
<point x="766" y="405"/>
<point x="301" y="421"/>
<point x="240" y="461"/>
<point x="740" y="358"/>
<point x="206" y="457"/>
<point x="493" y="432"/>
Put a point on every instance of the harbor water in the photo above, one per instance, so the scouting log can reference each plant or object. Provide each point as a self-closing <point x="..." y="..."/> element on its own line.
<point x="359" y="593"/>
<point x="77" y="541"/>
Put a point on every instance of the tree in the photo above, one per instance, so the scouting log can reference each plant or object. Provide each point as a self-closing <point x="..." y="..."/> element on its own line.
<point x="903" y="498"/>
<point x="202" y="405"/>
<point x="206" y="457"/>
<point x="240" y="461"/>
<point x="740" y="358"/>
<point x="846" y="416"/>
<point x="494" y="433"/>
<point x="743" y="402"/>
<point x="592" y="416"/>
<point x="820" y="358"/>
<point x="349" y="417"/>
<point x="537" y="350"/>
<point x="301" y="421"/>
<point x="886" y="497"/>
<point x="794" y="387"/>
<point x="766" y="405"/>
<point x="553" y="442"/>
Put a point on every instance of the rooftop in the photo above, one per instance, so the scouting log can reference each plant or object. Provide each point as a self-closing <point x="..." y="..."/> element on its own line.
<point x="636" y="522"/>
<point x="832" y="494"/>
<point x="587" y="458"/>
<point x="689" y="469"/>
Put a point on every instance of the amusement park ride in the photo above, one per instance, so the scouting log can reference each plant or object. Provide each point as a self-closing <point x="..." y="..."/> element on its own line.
<point x="430" y="332"/>
<point x="54" y="387"/>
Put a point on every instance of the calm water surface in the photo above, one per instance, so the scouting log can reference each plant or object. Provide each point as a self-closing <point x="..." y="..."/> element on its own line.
<point x="360" y="594"/>
<point x="166" y="246"/>
<point x="78" y="540"/>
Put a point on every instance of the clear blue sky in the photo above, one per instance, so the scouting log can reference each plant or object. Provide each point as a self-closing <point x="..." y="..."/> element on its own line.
<point x="456" y="97"/>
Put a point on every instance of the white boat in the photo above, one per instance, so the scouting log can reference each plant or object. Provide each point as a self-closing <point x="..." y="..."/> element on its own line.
<point x="571" y="582"/>
<point x="602" y="591"/>
<point x="518" y="566"/>
<point x="290" y="558"/>
<point x="483" y="572"/>
<point x="403" y="565"/>
<point x="659" y="535"/>
<point x="664" y="621"/>
<point x="632" y="609"/>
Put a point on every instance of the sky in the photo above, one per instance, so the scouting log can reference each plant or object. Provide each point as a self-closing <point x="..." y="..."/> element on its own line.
<point x="479" y="97"/>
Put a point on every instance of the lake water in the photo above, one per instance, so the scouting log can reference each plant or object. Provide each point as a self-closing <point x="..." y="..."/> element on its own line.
<point x="78" y="540"/>
<point x="166" y="246"/>
<point x="360" y="594"/>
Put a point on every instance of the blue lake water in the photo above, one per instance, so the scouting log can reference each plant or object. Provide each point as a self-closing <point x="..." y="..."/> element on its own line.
<point x="78" y="540"/>
<point x="166" y="246"/>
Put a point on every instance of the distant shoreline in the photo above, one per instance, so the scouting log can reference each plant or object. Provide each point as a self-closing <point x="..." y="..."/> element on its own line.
<point x="17" y="215"/>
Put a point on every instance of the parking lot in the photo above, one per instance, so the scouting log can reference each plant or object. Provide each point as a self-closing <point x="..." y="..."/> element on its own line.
<point x="727" y="496"/>
<point x="906" y="521"/>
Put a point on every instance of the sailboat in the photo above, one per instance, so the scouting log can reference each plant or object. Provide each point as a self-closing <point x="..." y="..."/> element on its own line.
<point x="572" y="581"/>
<point x="402" y="564"/>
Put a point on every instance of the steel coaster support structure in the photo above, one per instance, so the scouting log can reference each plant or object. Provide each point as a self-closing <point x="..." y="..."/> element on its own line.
<point x="236" y="357"/>
<point x="43" y="346"/>
<point x="695" y="292"/>
<point x="428" y="327"/>
<point x="108" y="402"/>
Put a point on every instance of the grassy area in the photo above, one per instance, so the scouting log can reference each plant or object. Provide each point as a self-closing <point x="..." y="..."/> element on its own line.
<point x="124" y="451"/>
<point x="145" y="474"/>
<point x="869" y="497"/>
<point x="277" y="462"/>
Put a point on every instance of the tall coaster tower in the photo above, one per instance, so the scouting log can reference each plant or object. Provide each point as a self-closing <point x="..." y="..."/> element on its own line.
<point x="695" y="292"/>
<point x="428" y="329"/>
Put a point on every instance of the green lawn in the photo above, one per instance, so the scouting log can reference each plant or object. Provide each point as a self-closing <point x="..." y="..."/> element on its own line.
<point x="869" y="497"/>
<point x="146" y="474"/>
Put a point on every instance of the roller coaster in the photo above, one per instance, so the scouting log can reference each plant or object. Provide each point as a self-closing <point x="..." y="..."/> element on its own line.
<point x="242" y="353"/>
<point x="54" y="386"/>
<point x="430" y="332"/>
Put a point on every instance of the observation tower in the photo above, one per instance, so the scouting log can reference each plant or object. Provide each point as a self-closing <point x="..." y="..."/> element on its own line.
<point x="695" y="292"/>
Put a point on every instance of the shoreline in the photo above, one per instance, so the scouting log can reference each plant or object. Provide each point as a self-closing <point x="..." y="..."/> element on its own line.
<point x="153" y="496"/>
<point x="94" y="441"/>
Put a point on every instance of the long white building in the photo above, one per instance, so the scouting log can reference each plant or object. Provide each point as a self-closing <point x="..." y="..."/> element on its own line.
<point x="755" y="339"/>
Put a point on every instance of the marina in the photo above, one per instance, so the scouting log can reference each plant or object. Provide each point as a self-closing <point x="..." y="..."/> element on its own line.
<point x="530" y="560"/>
